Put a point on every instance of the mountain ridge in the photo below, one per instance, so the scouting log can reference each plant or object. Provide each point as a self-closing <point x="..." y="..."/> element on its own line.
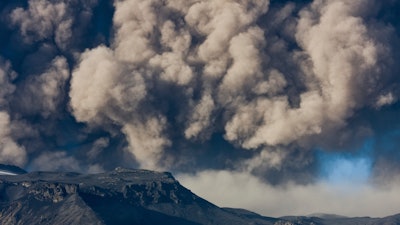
<point x="129" y="196"/>
<point x="11" y="170"/>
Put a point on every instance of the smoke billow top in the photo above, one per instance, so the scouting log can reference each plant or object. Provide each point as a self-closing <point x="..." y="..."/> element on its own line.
<point x="265" y="92"/>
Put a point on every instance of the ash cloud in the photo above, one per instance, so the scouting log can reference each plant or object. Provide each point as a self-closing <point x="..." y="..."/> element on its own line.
<point x="257" y="87"/>
<point x="10" y="151"/>
<point x="220" y="59"/>
<point x="153" y="53"/>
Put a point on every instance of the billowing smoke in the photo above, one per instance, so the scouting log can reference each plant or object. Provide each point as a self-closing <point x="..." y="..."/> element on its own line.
<point x="155" y="54"/>
<point x="275" y="90"/>
<point x="10" y="151"/>
<point x="215" y="58"/>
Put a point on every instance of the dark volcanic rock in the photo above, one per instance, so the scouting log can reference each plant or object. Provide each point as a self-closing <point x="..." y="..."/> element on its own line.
<point x="11" y="169"/>
<point x="134" y="197"/>
<point x="121" y="196"/>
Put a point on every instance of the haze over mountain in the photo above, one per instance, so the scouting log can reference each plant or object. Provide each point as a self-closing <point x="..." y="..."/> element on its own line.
<point x="126" y="196"/>
<point x="293" y="102"/>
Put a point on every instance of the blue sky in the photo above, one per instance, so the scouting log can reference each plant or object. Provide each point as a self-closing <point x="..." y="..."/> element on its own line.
<point x="347" y="168"/>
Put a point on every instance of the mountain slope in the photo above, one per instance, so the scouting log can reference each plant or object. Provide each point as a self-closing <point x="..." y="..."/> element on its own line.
<point x="10" y="170"/>
<point x="121" y="196"/>
<point x="134" y="197"/>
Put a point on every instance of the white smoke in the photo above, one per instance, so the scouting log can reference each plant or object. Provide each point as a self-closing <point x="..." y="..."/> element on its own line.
<point x="386" y="99"/>
<point x="243" y="190"/>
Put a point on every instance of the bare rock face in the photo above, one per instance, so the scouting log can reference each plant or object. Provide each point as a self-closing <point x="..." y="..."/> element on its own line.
<point x="125" y="196"/>
<point x="121" y="196"/>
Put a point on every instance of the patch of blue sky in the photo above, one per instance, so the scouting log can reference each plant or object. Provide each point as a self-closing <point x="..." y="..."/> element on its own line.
<point x="348" y="167"/>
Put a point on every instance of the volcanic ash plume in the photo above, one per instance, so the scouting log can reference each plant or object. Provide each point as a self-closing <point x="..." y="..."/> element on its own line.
<point x="10" y="151"/>
<point x="198" y="67"/>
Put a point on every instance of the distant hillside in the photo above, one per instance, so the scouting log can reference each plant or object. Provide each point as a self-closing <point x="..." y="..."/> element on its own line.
<point x="330" y="219"/>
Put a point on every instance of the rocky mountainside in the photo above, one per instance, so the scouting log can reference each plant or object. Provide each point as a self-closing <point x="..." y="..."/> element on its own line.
<point x="121" y="196"/>
<point x="125" y="196"/>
